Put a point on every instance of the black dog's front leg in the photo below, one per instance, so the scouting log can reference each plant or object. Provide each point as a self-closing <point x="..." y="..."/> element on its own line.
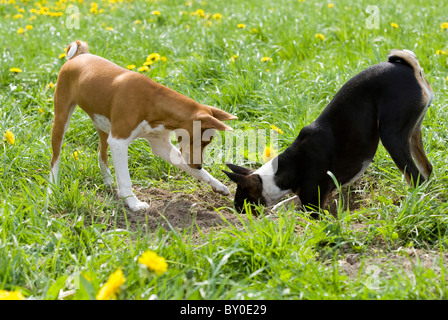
<point x="313" y="196"/>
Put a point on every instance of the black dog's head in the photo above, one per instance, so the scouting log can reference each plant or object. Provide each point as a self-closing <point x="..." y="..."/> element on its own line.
<point x="249" y="187"/>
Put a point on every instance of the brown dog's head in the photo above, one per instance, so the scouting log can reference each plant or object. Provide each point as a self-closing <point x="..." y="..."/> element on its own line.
<point x="249" y="187"/>
<point x="193" y="140"/>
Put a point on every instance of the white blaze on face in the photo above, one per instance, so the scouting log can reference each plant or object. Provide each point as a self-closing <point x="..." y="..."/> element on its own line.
<point x="271" y="192"/>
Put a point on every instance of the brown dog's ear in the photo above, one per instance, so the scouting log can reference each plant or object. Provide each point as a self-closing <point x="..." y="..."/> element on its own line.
<point x="238" y="169"/>
<point x="209" y="122"/>
<point x="221" y="115"/>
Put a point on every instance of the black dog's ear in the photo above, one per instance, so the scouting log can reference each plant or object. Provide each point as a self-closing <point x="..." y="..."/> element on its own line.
<point x="239" y="179"/>
<point x="239" y="170"/>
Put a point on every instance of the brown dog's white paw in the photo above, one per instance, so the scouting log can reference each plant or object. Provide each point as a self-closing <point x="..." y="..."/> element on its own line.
<point x="136" y="205"/>
<point x="221" y="189"/>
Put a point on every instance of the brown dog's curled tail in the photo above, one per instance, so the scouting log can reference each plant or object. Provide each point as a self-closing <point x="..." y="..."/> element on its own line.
<point x="76" y="48"/>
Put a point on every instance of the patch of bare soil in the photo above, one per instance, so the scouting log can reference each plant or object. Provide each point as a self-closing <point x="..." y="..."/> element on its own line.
<point x="354" y="197"/>
<point x="382" y="265"/>
<point x="202" y="209"/>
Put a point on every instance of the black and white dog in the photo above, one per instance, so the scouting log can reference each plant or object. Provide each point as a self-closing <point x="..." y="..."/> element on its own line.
<point x="386" y="101"/>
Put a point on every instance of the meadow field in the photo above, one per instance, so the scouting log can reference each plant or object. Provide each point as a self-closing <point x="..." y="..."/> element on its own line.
<point x="274" y="64"/>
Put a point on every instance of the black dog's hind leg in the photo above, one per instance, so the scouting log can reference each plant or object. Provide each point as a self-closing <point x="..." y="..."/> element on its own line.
<point x="396" y="138"/>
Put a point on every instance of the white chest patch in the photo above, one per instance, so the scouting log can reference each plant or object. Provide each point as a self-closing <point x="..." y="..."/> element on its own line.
<point x="101" y="122"/>
<point x="271" y="192"/>
<point x="143" y="130"/>
<point x="147" y="130"/>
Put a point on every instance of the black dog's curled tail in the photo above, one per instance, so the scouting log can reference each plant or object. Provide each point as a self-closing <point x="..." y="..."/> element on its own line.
<point x="404" y="56"/>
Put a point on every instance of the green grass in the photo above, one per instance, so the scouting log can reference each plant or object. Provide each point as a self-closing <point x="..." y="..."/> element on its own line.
<point x="284" y="256"/>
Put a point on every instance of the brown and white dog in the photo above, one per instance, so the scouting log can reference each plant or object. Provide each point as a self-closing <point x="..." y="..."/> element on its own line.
<point x="125" y="105"/>
<point x="386" y="101"/>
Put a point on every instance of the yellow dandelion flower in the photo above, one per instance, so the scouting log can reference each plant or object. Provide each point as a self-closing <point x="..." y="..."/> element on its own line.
<point x="164" y="59"/>
<point x="155" y="13"/>
<point x="112" y="286"/>
<point x="394" y="25"/>
<point x="440" y="52"/>
<point x="109" y="28"/>
<point x="143" y="69"/>
<point x="18" y="16"/>
<point x="208" y="23"/>
<point x="76" y="155"/>
<point x="265" y="59"/>
<point x="62" y="55"/>
<point x="153" y="57"/>
<point x="268" y="154"/>
<point x="21" y="30"/>
<point x="241" y="26"/>
<point x="40" y="110"/>
<point x="137" y="21"/>
<point x="200" y="13"/>
<point x="153" y="262"/>
<point x="29" y="27"/>
<point x="447" y="78"/>
<point x="11" y="295"/>
<point x="9" y="137"/>
<point x="273" y="127"/>
<point x="330" y="5"/>
<point x="217" y="16"/>
<point x="32" y="18"/>
<point x="131" y="66"/>
<point x="234" y="57"/>
<point x="319" y="36"/>
<point x="15" y="70"/>
<point x="444" y="25"/>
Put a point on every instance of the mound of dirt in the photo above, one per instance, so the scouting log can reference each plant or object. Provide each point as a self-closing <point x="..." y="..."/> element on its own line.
<point x="202" y="210"/>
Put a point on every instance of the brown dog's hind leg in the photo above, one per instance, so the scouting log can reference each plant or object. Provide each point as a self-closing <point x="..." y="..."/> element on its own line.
<point x="103" y="158"/>
<point x="62" y="114"/>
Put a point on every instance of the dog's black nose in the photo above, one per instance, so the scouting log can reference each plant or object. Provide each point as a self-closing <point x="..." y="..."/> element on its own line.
<point x="199" y="168"/>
